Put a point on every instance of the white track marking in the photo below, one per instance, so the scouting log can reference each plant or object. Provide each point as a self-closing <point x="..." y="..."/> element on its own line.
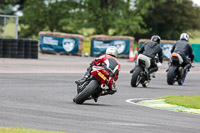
<point x="129" y="124"/>
<point x="131" y="101"/>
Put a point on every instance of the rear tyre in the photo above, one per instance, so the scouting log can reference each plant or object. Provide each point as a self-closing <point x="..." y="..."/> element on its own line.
<point x="136" y="77"/>
<point x="88" y="91"/>
<point x="171" y="75"/>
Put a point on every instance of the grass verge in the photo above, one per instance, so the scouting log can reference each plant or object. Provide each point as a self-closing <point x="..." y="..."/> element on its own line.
<point x="190" y="101"/>
<point x="195" y="37"/>
<point x="86" y="47"/>
<point x="22" y="130"/>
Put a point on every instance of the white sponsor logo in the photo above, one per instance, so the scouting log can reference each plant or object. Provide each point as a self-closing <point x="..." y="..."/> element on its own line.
<point x="167" y="50"/>
<point x="120" y="45"/>
<point x="50" y="49"/>
<point x="100" y="44"/>
<point x="50" y="40"/>
<point x="68" y="44"/>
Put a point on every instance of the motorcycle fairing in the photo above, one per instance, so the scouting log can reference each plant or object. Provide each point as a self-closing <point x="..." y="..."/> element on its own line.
<point x="175" y="56"/>
<point x="101" y="74"/>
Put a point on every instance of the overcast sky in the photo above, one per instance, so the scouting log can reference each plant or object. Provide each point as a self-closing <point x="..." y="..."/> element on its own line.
<point x="196" y="2"/>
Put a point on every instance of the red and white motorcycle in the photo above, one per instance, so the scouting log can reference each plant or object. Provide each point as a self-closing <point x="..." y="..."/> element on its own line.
<point x="93" y="87"/>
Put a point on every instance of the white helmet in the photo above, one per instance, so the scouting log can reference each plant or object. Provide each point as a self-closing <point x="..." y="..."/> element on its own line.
<point x="112" y="50"/>
<point x="184" y="36"/>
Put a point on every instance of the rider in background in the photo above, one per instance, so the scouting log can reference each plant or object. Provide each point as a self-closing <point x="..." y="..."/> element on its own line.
<point x="152" y="49"/>
<point x="108" y="61"/>
<point x="184" y="49"/>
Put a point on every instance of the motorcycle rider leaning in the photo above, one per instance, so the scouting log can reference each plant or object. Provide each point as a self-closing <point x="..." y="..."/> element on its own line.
<point x="152" y="49"/>
<point x="109" y="61"/>
<point x="184" y="49"/>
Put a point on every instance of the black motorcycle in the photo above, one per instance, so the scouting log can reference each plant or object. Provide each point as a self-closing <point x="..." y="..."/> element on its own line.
<point x="140" y="72"/>
<point x="176" y="72"/>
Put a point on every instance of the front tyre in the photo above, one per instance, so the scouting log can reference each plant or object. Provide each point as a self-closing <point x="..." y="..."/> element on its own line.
<point x="171" y="75"/>
<point x="136" y="77"/>
<point x="88" y="91"/>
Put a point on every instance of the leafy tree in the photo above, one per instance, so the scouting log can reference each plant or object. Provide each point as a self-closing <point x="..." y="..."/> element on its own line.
<point x="138" y="18"/>
<point x="129" y="21"/>
<point x="33" y="19"/>
<point x="103" y="14"/>
<point x="47" y="15"/>
<point x="168" y="18"/>
<point x="6" y="7"/>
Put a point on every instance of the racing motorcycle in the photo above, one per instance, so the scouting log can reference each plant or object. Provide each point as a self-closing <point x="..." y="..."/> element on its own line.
<point x="140" y="72"/>
<point x="175" y="72"/>
<point x="94" y="86"/>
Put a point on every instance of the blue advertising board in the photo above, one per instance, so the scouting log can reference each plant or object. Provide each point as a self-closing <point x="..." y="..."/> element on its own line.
<point x="166" y="48"/>
<point x="196" y="49"/>
<point x="59" y="44"/>
<point x="98" y="47"/>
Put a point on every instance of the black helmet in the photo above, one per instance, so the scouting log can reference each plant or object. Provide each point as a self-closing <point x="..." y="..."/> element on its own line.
<point x="156" y="38"/>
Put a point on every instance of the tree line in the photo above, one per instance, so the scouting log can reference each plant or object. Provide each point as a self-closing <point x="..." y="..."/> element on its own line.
<point x="137" y="18"/>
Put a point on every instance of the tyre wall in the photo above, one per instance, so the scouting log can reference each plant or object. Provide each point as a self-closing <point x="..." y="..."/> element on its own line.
<point x="18" y="48"/>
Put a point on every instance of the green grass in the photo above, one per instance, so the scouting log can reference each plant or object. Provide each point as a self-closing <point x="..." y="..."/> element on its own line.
<point x="190" y="101"/>
<point x="21" y="130"/>
<point x="194" y="37"/>
<point x="9" y="30"/>
<point x="86" y="47"/>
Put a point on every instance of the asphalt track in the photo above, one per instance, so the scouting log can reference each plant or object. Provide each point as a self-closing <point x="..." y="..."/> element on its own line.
<point x="38" y="94"/>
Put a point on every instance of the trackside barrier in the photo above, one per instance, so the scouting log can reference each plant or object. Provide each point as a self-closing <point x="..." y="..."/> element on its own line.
<point x="99" y="43"/>
<point x="18" y="48"/>
<point x="196" y="49"/>
<point x="63" y="43"/>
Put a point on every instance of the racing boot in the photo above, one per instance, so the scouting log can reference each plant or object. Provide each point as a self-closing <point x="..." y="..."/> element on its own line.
<point x="81" y="81"/>
<point x="152" y="71"/>
<point x="131" y="71"/>
<point x="146" y="75"/>
<point x="152" y="75"/>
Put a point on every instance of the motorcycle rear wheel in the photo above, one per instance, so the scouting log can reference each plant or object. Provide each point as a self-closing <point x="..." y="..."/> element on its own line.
<point x="88" y="91"/>
<point x="171" y="75"/>
<point x="136" y="77"/>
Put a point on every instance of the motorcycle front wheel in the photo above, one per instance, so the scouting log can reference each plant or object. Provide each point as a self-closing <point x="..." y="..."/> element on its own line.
<point x="136" y="77"/>
<point x="171" y="75"/>
<point x="88" y="91"/>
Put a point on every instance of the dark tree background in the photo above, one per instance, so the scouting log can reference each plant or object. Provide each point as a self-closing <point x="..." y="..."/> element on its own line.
<point x="169" y="18"/>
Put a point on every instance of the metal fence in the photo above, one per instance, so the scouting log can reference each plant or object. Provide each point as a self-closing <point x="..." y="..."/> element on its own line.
<point x="9" y="26"/>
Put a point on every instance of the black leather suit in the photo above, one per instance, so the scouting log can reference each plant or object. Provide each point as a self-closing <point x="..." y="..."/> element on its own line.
<point x="183" y="48"/>
<point x="151" y="49"/>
